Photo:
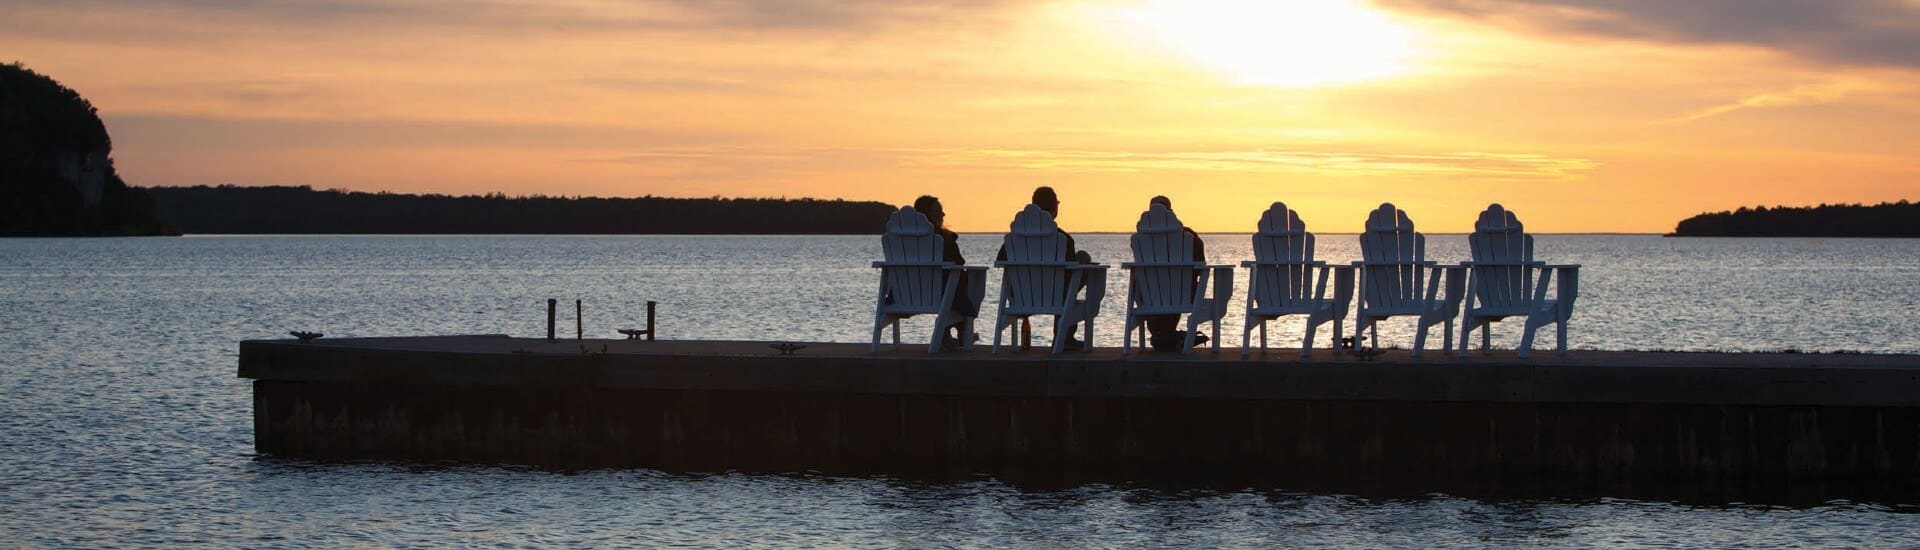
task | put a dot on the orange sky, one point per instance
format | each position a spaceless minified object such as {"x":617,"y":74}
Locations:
{"x":1580,"y":115}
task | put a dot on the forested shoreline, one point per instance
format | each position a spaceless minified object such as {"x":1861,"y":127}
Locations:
{"x":1887,"y":219}
{"x":229,"y":209}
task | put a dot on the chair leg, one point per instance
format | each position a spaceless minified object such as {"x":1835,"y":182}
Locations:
{"x":1526,"y":339}
{"x":1419,"y":337}
{"x":1560,"y":334}
{"x":1126,"y":336}
{"x":1086,"y":327}
{"x":1373,"y":326}
{"x":1263,"y":336}
{"x":1306,"y":341}
{"x":1060,"y":334}
{"x":1446,"y":337}
{"x":1216,"y":335}
{"x":939,"y":331}
{"x":999,"y":326}
{"x":1246,"y":333}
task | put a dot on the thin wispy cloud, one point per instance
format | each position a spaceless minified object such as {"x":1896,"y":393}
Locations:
{"x":220,"y":133}
{"x":521,"y":16}
{"x":1808,"y":94}
{"x":1481,"y":165}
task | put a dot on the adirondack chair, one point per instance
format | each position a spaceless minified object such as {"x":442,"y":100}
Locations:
{"x":1161,"y":280}
{"x":1393,"y":270}
{"x":1038,"y":278}
{"x":1501,"y":283}
{"x":915,"y":280}
{"x":1283,"y":279}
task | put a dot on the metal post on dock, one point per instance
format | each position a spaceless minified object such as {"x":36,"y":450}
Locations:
{"x":579,"y":333}
{"x":552,"y":304}
{"x":650,"y":329}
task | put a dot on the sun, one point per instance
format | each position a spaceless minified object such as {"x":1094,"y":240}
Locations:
{"x":1293,"y":43}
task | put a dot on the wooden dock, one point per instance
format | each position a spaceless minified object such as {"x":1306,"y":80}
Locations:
{"x":1686,"y":425}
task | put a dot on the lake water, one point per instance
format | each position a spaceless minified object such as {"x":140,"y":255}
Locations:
{"x":121,"y":421}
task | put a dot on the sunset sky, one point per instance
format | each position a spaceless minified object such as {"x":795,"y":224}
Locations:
{"x":1580,"y":115}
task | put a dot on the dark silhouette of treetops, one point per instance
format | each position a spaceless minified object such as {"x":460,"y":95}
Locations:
{"x":233,"y":209}
{"x":1887,"y":219}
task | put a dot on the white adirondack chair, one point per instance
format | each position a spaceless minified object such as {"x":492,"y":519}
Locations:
{"x":1501,"y":283}
{"x":915,"y":279}
{"x":1283,"y":279}
{"x":1160,"y":280}
{"x":1393,"y":270}
{"x":1037,"y":278}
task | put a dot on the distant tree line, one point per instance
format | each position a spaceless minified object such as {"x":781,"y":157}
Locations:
{"x":279,"y":210}
{"x":1887,"y":219}
{"x":56,"y":175}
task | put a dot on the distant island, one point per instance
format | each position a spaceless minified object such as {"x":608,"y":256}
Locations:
{"x":230,"y":209}
{"x":1887,"y":219}
{"x":56,"y":166}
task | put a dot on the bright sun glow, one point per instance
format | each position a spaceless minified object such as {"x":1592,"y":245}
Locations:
{"x":1297,"y":43}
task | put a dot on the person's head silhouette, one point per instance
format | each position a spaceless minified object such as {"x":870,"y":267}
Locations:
{"x":1161,"y":200}
{"x":929,"y":206}
{"x":1044,"y":198}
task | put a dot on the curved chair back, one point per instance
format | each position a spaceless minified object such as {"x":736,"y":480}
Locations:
{"x":1502,"y":254}
{"x":1034,"y":275}
{"x":1282,"y":257}
{"x":913,"y":262}
{"x":1392,"y":254}
{"x":1163,"y":266}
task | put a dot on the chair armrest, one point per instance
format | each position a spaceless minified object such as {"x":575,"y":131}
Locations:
{"x":1195,"y":265}
{"x":1005,"y":263}
{"x":1560,"y":266}
{"x":1503,"y":264}
{"x":964,"y":267}
{"x":911,"y":264}
{"x":1087,"y":267}
{"x":1219,"y":266}
{"x":1422,"y":263}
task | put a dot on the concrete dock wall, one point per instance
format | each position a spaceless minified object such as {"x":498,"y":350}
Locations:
{"x":1571,"y":427}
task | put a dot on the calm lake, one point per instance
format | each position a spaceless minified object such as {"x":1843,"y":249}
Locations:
{"x":121,"y":420}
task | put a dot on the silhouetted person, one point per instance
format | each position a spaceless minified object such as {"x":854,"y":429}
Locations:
{"x":929,"y":206}
{"x":1163,"y":330}
{"x":1044,"y":198}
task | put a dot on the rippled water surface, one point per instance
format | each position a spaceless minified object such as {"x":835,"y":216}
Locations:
{"x":121,"y":421}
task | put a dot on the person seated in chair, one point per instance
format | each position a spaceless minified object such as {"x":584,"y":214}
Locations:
{"x":1164,"y":329}
{"x":929,"y":206}
{"x":1045,"y":198}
